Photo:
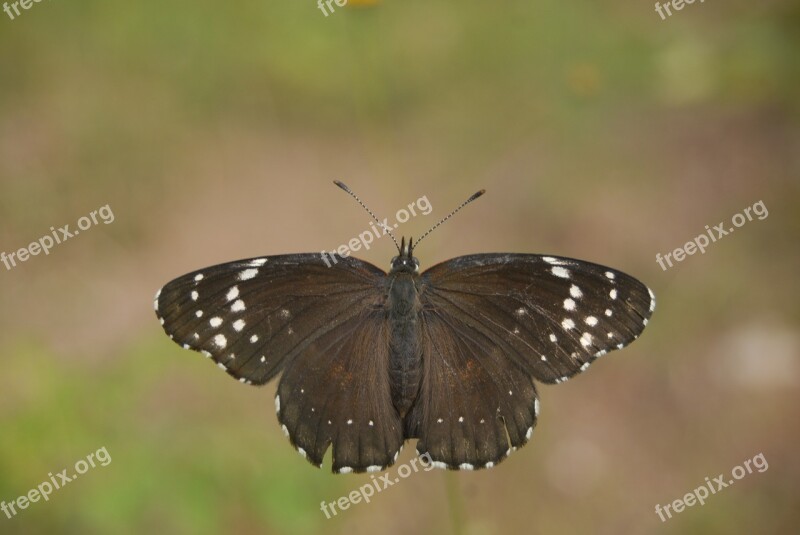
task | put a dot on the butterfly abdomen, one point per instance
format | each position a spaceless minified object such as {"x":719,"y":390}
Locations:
{"x":405,"y":355}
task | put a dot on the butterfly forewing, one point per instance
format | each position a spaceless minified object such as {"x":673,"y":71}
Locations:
{"x":551,"y":316}
{"x":251,"y":315}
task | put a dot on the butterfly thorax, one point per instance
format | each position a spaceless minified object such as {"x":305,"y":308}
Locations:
{"x":405,"y":355}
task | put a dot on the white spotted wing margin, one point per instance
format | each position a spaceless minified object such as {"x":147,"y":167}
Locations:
{"x":258,"y":317}
{"x":492,"y":323}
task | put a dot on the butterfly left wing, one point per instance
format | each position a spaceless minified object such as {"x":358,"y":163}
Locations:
{"x":323,"y":326}
{"x":253,"y":316}
{"x":498,"y":318}
{"x":336,"y":392}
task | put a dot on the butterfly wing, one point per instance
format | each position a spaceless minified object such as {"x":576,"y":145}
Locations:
{"x":507,"y":317}
{"x":325,"y":327}
{"x":475,"y":406}
{"x":337,"y":392}
{"x":252,"y":316}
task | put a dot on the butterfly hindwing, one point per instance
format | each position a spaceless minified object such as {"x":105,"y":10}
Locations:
{"x":336,"y":392}
{"x":475,"y":405}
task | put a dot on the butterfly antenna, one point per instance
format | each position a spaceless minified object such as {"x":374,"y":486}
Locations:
{"x":364,"y":206}
{"x":451,"y":214}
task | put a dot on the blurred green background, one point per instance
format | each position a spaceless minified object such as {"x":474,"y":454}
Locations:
{"x":213,"y":131}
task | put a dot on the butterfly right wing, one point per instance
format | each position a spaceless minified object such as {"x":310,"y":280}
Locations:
{"x":491,"y":323}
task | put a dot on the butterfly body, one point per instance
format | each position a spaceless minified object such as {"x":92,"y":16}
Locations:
{"x":369,"y":359}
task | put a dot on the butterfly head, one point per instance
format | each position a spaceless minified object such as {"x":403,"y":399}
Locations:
{"x":405,"y":262}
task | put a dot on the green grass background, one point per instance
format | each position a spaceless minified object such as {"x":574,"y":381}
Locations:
{"x":214,"y":130}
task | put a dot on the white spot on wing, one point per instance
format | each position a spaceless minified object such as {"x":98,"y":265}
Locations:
{"x":258,"y":262}
{"x":585,"y":365}
{"x":238,"y":306}
{"x":248,"y":274}
{"x":254,"y":339}
{"x":529,"y":433}
{"x":195,"y":295}
{"x":553,"y":338}
{"x":591,"y":321}
{"x":465,"y":466}
{"x":613,"y":293}
{"x":220,"y":341}
{"x":575,"y":292}
{"x":277,"y":404}
{"x":569,"y":304}
{"x":586,"y":339}
{"x":374,"y":468}
{"x":199,"y":313}
{"x":233,"y":293}
{"x":536,"y":407}
{"x":610,"y":275}
{"x":238,"y":325}
{"x":198,"y":277}
{"x":215,"y":321}
{"x":345,"y":470}
{"x":559,"y":271}
{"x":568,"y":324}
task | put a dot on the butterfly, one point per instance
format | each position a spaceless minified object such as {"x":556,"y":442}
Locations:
{"x":370,"y":359}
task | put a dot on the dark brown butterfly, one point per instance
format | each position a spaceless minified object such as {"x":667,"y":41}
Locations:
{"x":369,"y":359}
